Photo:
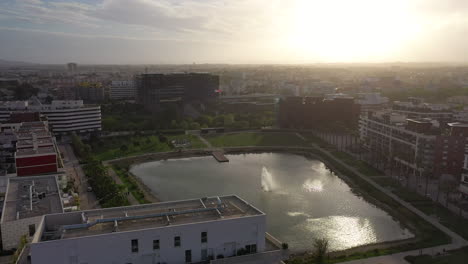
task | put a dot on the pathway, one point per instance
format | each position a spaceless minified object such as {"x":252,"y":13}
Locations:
{"x":457,"y":240}
{"x":131,"y":199}
{"x":207,"y":143}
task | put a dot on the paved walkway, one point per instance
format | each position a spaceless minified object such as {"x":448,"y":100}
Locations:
{"x":457,"y":241}
{"x":131,"y":199}
{"x":207,"y":143}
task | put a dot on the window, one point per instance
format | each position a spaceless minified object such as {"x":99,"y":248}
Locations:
{"x":32,"y":229}
{"x":204,"y":237}
{"x":155,"y":244}
{"x":251,"y":248}
{"x":204,"y":254}
{"x":177,"y":241}
{"x":134,"y":245}
{"x":188,"y":256}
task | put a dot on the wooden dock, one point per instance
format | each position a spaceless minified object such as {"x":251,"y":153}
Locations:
{"x":219,"y":156}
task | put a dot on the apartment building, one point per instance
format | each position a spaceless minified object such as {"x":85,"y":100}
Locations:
{"x":416,"y":108}
{"x":27,"y":199}
{"x":63,"y":117}
{"x":155,"y":91}
{"x":208,"y":230}
{"x":413,"y":146}
{"x":123,"y":90}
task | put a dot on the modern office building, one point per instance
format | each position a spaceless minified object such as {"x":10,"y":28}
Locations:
{"x":123,"y":90}
{"x":63,"y":117}
{"x":154,"y":91}
{"x":27,"y":199}
{"x":316,"y":112}
{"x":90,"y":92}
{"x":208,"y":230}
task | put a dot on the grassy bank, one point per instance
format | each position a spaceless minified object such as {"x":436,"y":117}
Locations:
{"x":254,"y":139}
{"x":117,"y":147}
{"x":459,"y":256}
{"x":130,"y":184}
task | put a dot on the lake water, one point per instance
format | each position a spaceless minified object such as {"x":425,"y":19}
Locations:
{"x":303,"y":199}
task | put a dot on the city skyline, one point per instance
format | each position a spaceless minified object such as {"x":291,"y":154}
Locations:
{"x":254,"y":31}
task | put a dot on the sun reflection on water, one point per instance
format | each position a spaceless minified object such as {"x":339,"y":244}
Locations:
{"x":343,"y":231}
{"x":313,"y":185}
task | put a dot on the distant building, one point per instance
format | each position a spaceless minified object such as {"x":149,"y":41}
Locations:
{"x":120,"y":90}
{"x":72,"y":67}
{"x":90,"y":92}
{"x":370,"y":102}
{"x":36,"y":150}
{"x":316,"y":112}
{"x":27,"y":199}
{"x":154,"y":91}
{"x":416,"y":108}
{"x":63,"y":117}
{"x":208,"y":230}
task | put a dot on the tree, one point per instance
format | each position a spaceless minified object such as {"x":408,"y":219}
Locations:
{"x":228,"y":120}
{"x":123,"y":148}
{"x":321,"y":249}
{"x":195,"y":125}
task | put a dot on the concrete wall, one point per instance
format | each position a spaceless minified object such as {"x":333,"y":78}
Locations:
{"x":13,"y":230}
{"x":224,"y":237}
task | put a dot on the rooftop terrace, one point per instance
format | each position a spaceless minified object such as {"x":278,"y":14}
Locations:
{"x":105,"y":221}
{"x":31,"y":196}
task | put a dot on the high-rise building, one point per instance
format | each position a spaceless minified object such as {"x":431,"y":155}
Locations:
{"x":156,"y":90}
{"x":72,"y":67}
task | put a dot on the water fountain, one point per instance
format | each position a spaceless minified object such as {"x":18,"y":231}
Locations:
{"x":267,"y":180}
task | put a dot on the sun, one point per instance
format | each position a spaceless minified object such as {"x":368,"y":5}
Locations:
{"x":344,"y":30}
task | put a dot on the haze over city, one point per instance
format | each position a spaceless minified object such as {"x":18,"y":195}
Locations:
{"x":243,"y":31}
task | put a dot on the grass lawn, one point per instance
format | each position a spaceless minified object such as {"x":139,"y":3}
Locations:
{"x":361,"y":166}
{"x":110,"y":148}
{"x":254,"y":139}
{"x":130,"y":184}
{"x":453,"y":257}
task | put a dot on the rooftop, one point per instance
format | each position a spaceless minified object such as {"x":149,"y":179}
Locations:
{"x":32,"y":151}
{"x":31,"y":196}
{"x":129,"y":218}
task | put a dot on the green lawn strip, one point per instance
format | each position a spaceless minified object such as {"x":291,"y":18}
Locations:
{"x":194,"y":140}
{"x":459,"y":256}
{"x":130,"y":184}
{"x":111,"y":148}
{"x":254,"y":139}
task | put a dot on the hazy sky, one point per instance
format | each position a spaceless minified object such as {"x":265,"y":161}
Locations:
{"x":233,"y":31}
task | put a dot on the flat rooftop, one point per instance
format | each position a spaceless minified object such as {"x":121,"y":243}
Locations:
{"x":31,"y":196}
{"x":30,"y":142}
{"x":31,"y":151}
{"x":130,"y":218}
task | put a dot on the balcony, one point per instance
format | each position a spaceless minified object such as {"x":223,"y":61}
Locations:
{"x":273,"y":254}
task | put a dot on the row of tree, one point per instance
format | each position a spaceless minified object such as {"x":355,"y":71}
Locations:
{"x":108,"y":193}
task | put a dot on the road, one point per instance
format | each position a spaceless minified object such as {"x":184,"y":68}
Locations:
{"x":73,"y":169}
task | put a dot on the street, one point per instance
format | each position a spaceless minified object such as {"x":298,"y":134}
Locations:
{"x":74,"y":170}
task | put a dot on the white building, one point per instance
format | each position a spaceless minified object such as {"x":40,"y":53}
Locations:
{"x":123,"y":90}
{"x":63,"y":116}
{"x":213,"y":230}
{"x":371,"y":101}
{"x":27,"y":199}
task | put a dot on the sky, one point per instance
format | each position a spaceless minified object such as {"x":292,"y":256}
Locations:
{"x":233,"y":31}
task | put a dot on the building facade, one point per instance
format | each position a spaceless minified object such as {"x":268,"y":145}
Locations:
{"x":154,"y":91}
{"x":123,"y":90}
{"x":189,"y":231}
{"x":63,"y":117}
{"x":316,"y":112}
